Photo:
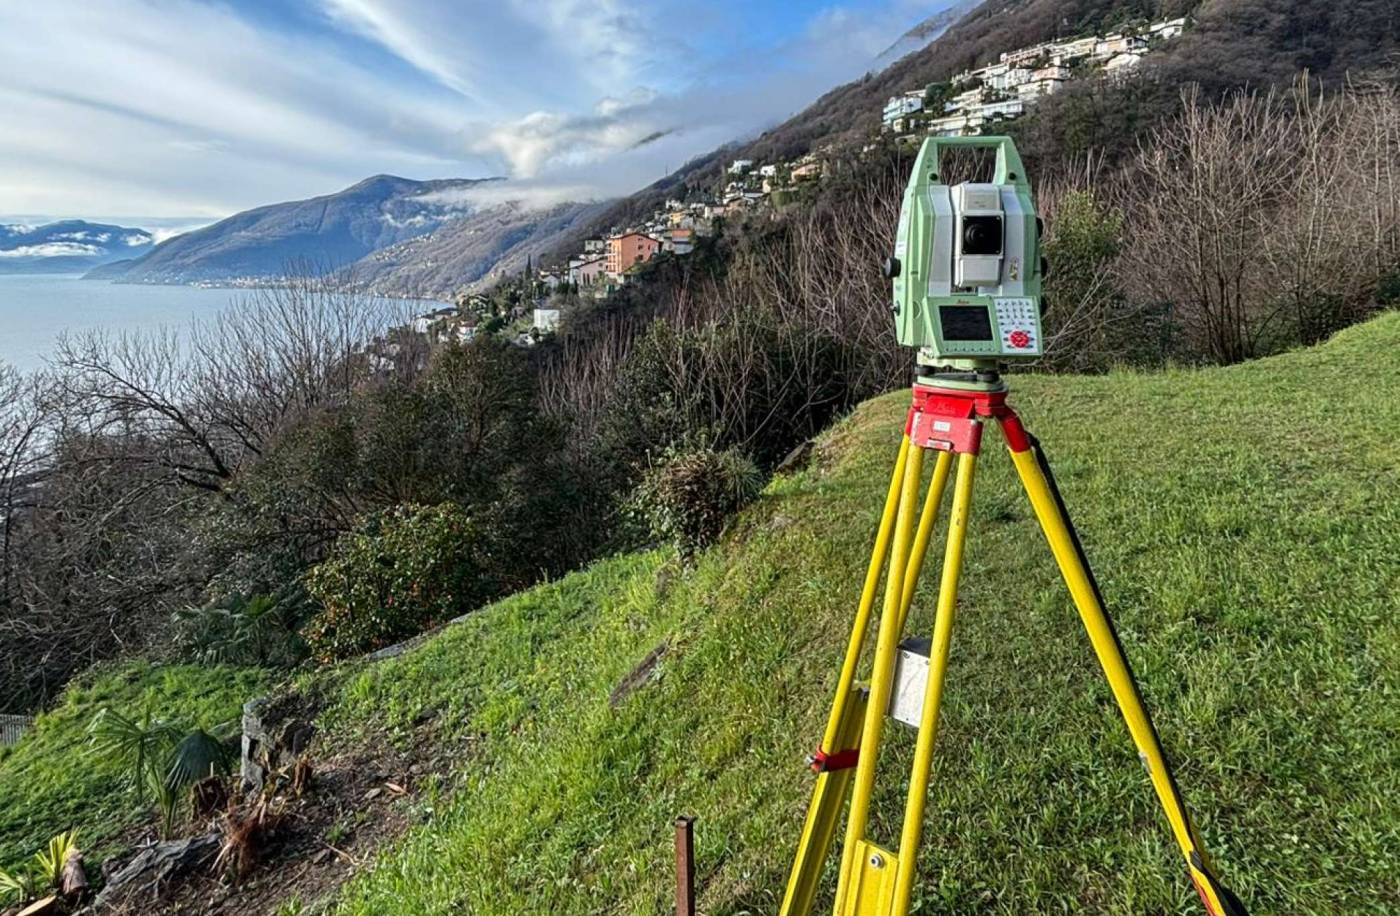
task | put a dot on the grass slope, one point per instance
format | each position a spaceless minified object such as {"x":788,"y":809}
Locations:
{"x":1245,"y":530}
{"x":51,"y":782}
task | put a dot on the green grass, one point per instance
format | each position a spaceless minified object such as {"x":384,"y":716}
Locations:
{"x":1245,"y":527}
{"x":51,"y":781}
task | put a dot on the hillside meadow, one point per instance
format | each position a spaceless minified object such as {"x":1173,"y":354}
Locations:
{"x":1241,"y":525}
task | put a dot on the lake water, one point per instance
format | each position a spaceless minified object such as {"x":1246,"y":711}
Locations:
{"x":35,"y":309}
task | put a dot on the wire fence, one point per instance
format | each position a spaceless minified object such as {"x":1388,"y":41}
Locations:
{"x":12,"y":728}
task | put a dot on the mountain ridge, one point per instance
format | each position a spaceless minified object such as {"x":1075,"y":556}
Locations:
{"x":468,"y":253}
{"x":920,"y":35}
{"x":326,"y":232}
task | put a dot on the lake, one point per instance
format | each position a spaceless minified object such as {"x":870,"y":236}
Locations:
{"x":35,"y":309}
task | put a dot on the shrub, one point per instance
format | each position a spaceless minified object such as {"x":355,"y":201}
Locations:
{"x":260,"y":631}
{"x":688,"y":498}
{"x":400,"y":571}
{"x":1388,"y":289}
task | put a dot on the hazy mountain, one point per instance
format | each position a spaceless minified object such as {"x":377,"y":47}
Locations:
{"x":323,"y":233}
{"x":469,"y":252}
{"x":68,"y":246}
{"x":920,"y":35}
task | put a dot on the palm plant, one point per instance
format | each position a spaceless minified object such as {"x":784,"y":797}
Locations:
{"x":160,"y":757}
{"x":261,"y":630}
{"x":198,"y":755}
{"x":50,"y":862}
{"x":140,"y":745}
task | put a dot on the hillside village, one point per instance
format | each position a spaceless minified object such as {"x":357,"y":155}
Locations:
{"x":604,"y":264}
{"x":978,"y":99}
{"x":967,"y":104}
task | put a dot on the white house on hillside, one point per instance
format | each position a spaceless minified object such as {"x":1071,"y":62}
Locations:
{"x":1118,"y":66}
{"x":423,"y":323}
{"x":901,"y":105}
{"x":587,"y":269}
{"x":546,"y":320}
{"x":1168,"y":28}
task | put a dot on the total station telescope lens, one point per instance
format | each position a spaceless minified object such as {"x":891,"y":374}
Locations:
{"x":982,"y":235}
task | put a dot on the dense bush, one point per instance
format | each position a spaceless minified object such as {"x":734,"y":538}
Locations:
{"x":400,"y":571}
{"x":250,"y":631}
{"x":1091,"y":326}
{"x":687,"y":498}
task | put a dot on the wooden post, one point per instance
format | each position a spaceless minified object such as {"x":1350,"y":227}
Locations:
{"x":685,"y":866}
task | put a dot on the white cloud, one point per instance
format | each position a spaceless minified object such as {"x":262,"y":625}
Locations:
{"x":521,"y":195}
{"x":182,"y":108}
{"x":507,"y":54}
{"x":51,"y":250}
{"x":169,"y":232}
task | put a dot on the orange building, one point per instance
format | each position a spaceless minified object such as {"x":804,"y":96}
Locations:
{"x":627,"y":250}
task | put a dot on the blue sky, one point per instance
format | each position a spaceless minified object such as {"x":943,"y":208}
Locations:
{"x":163,"y":112}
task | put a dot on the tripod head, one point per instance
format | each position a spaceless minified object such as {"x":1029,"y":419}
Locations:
{"x":967,"y":269}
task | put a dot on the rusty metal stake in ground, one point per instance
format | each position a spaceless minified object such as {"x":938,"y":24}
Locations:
{"x":685,"y":866}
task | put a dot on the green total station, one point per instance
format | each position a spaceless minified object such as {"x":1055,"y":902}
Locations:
{"x":967,"y":268}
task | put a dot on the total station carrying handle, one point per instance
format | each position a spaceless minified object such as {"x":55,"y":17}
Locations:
{"x":1009,"y":169}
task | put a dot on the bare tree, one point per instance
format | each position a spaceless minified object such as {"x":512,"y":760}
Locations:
{"x":1265,"y":220}
{"x":119,"y":467}
{"x":22,"y":460}
{"x":209,"y":400}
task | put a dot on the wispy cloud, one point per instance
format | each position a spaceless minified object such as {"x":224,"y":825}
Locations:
{"x":183,"y":108}
{"x":50,"y":250}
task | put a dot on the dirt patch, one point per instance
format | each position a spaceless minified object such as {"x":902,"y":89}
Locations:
{"x":353,"y":804}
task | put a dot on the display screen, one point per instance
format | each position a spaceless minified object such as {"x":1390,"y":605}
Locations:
{"x":965,"y":322}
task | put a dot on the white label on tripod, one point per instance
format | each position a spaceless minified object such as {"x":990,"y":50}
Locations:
{"x":942,"y":426}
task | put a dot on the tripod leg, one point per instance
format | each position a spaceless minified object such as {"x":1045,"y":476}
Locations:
{"x":941,"y":467}
{"x":867,"y":599}
{"x":882,"y":675}
{"x":933,"y":691}
{"x":822,"y":816}
{"x":844,"y":725}
{"x":1054,"y":520}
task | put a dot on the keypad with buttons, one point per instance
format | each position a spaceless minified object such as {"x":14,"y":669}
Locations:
{"x":1018,"y":320}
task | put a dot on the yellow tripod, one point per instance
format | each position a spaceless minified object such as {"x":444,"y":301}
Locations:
{"x":874,"y":881}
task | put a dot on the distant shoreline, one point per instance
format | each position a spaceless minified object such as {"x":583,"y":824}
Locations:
{"x":36,"y":308}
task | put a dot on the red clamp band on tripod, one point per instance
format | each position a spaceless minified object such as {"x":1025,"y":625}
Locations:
{"x":822,"y":762}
